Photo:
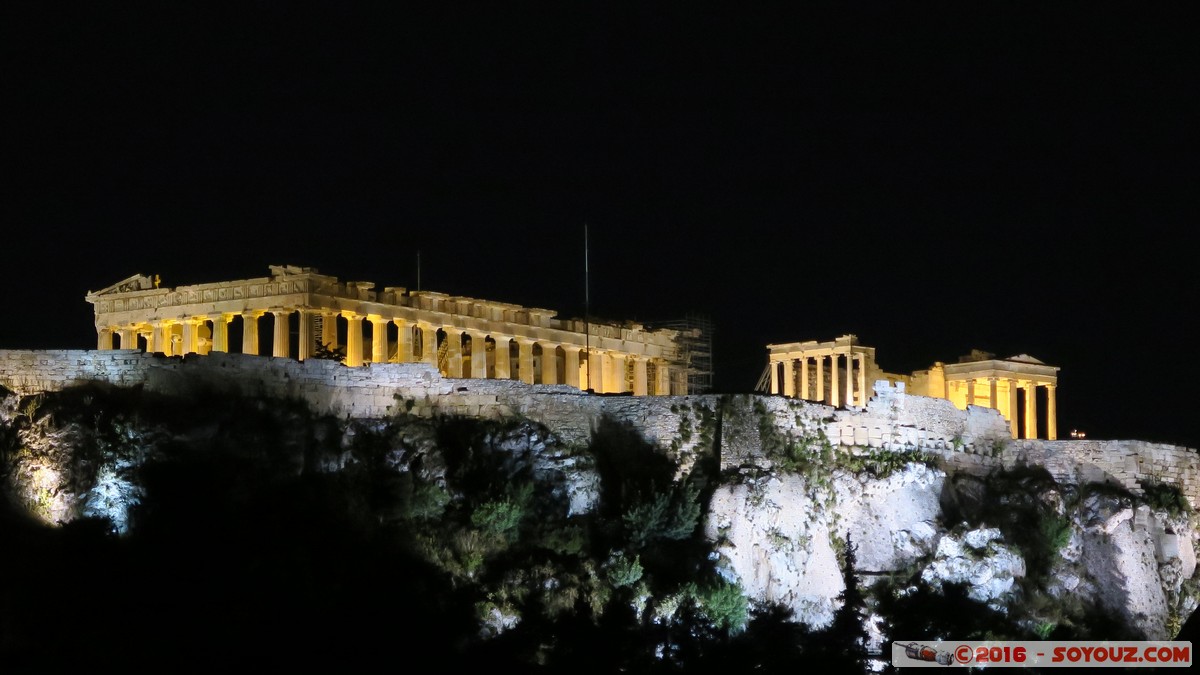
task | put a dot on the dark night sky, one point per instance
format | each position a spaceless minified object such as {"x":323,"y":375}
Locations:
{"x":1015,"y":178}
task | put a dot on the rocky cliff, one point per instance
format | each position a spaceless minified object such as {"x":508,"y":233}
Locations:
{"x":541,"y":518}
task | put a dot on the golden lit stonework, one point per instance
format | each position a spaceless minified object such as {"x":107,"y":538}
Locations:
{"x":309,"y":314}
{"x":838,"y":373}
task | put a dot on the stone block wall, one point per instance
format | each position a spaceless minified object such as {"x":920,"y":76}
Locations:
{"x":976,"y":440}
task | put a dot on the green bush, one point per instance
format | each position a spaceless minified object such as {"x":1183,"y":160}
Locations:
{"x":725,"y":605}
{"x":622,"y":570}
{"x":498,"y":519}
{"x":670,"y":515}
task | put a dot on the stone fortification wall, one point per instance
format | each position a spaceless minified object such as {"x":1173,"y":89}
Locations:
{"x":976,"y":440}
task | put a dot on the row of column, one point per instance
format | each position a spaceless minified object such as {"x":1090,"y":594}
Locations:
{"x":611,"y":372}
{"x":786,"y":383}
{"x":1010,"y":410}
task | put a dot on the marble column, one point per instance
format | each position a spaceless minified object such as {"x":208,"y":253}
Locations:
{"x":281,"y":346}
{"x":329,"y":337}
{"x":250,"y":332}
{"x":379,"y":339}
{"x":595,"y":369}
{"x":221,"y":332}
{"x":478,"y":355}
{"x":835,"y":398}
{"x":789,"y":378}
{"x":354,"y":339}
{"x":992,"y":394}
{"x":571,"y":365}
{"x":191,"y":328}
{"x":774,"y":371}
{"x":1051,"y":413}
{"x":640,"y":385}
{"x":618,"y":382}
{"x":503,"y":357}
{"x":970,"y":384}
{"x":863,"y":394}
{"x":104,"y":338}
{"x":525,"y":360}
{"x":849,"y":379}
{"x":454,"y":355}
{"x":404,"y":346}
{"x":307,"y":341}
{"x":663,"y":376}
{"x":1030,"y":410}
{"x":1012,"y":407}
{"x":549,"y":363}
{"x":428,"y":343}
{"x":804,"y":392}
{"x":820,"y":397}
{"x":128,"y":338}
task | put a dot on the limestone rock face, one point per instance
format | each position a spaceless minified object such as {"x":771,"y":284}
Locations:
{"x":979,"y":559}
{"x":773,"y":533}
{"x":892,"y":521}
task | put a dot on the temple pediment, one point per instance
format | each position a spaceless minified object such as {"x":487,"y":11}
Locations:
{"x":137,"y":282}
{"x":1025,"y":358}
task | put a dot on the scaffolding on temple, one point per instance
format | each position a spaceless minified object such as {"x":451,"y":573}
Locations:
{"x":695,"y":345}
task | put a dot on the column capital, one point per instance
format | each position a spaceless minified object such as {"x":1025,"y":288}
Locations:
{"x":350,"y":314}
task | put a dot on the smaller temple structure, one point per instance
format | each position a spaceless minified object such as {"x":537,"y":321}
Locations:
{"x":837,"y":373}
{"x":309,"y":315}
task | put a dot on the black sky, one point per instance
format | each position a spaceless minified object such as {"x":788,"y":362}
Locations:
{"x":1010,"y":177}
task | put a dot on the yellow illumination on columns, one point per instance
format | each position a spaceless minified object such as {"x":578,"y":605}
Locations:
{"x":404,"y":346}
{"x":789,"y":378}
{"x":128,"y":338}
{"x":992,"y":402}
{"x":157,"y":338}
{"x":250,"y":332}
{"x":304,"y":346}
{"x":863,"y":396}
{"x":1051,"y":413}
{"x":616,"y":365}
{"x":280,"y":346}
{"x":379,"y":340}
{"x":640,"y":386}
{"x":190,"y":327}
{"x":595,"y":370}
{"x":329,"y":330}
{"x":478,"y":355}
{"x":428,"y":343}
{"x":1012,"y":407}
{"x":970,"y":392}
{"x":525,"y":360}
{"x":503,"y":357}
{"x":454,"y":355}
{"x":804,"y":393}
{"x":549,"y":363}
{"x":835,"y":399}
{"x":1030,"y":410}
{"x":354,"y":335}
{"x":849,"y":378}
{"x":571,"y":365}
{"x":820,"y":398}
{"x":104,"y":338}
{"x":221,"y":332}
{"x":774,"y":376}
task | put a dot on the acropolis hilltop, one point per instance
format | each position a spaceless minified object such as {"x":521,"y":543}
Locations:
{"x":304,"y":311}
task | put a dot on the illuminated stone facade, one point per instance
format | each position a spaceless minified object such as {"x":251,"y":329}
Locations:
{"x":836,"y":373}
{"x":298,"y":312}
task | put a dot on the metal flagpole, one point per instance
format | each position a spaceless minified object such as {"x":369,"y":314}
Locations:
{"x":587,"y":328}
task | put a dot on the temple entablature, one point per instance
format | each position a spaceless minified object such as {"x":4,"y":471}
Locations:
{"x":303,"y":311}
{"x":1010,"y":385}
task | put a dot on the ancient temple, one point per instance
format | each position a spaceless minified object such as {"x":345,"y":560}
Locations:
{"x":297,"y":312}
{"x":840,"y":371}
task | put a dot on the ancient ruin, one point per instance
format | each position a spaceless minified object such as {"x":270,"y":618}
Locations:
{"x":308,"y":314}
{"x":802,"y":369}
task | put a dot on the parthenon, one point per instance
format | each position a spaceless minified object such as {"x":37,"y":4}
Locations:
{"x":310,"y":314}
{"x":801,"y":370}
